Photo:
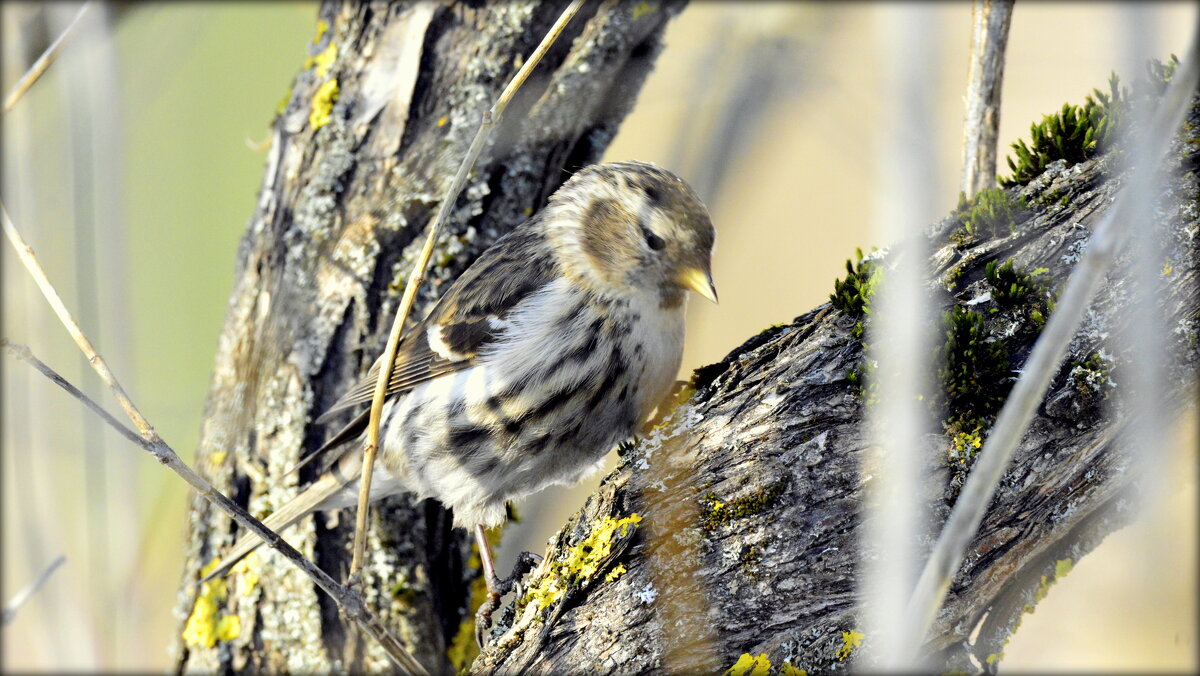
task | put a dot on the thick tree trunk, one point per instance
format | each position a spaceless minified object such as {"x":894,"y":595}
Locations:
{"x":365,"y":148}
{"x":750,"y":493}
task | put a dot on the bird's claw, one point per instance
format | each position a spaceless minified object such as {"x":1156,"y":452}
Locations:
{"x":483,"y":617}
{"x":497,"y":588}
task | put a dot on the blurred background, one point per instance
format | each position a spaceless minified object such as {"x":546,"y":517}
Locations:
{"x":133,"y":165}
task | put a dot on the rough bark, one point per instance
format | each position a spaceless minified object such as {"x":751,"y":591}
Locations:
{"x":750,"y":492}
{"x":990,"y":20}
{"x":342,"y":208}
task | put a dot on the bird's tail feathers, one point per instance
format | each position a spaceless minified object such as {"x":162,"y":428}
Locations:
{"x":297,"y":508}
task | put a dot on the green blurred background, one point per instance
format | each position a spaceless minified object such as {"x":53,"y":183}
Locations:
{"x":138,"y":226}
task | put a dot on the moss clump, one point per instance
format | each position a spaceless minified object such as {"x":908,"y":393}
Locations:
{"x":1091,"y":377}
{"x":991,"y":213}
{"x":975,"y":371}
{"x":851,"y":296}
{"x":1074,"y":133}
{"x":1159,"y":74}
{"x":1011,"y":287}
{"x":715,"y":513}
{"x":1078,"y":133}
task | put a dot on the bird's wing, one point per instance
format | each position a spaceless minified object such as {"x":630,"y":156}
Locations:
{"x":471,"y":314}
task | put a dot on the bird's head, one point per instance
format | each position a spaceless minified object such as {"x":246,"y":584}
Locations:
{"x":632,"y":227}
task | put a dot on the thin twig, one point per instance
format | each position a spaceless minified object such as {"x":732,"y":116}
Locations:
{"x":491,"y":118}
{"x":98,"y":364}
{"x":981,"y":128}
{"x":10,"y":610}
{"x":1048,"y":352}
{"x":43,"y":62}
{"x":148,"y":439}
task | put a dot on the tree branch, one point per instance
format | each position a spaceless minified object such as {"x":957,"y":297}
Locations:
{"x":990,"y":20}
{"x":753,"y":489}
{"x":348,"y":602}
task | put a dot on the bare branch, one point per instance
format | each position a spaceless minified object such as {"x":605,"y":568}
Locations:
{"x":1048,"y":352}
{"x":490,"y":119}
{"x":43,"y":62}
{"x":349,"y":602}
{"x":10,"y":610}
{"x":981,"y":128}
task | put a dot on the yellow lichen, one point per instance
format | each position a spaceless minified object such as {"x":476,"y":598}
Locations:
{"x":443,"y":120}
{"x":748,"y":665}
{"x":228,"y":627}
{"x":322,"y":104}
{"x":850,"y":640}
{"x":248,"y":569}
{"x":616,"y":572}
{"x":203,"y":627}
{"x":322,"y":62}
{"x":964,"y":444}
{"x":787,"y":669}
{"x":322,"y":26}
{"x":581,"y":562}
{"x":1062,"y":567}
{"x":994,"y":658}
{"x":641,"y":9}
{"x":1167,"y":268}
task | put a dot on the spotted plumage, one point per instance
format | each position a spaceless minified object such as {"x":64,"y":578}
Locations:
{"x":548,"y":351}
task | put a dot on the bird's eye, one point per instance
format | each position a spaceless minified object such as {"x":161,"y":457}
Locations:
{"x":654,"y":241}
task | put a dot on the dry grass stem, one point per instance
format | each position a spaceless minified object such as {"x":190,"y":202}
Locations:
{"x":491,"y":118}
{"x":10,"y":610}
{"x":43,"y":62}
{"x":148,"y":439}
{"x":1048,"y":352}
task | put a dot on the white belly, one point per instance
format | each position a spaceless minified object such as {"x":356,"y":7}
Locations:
{"x":564,"y":383}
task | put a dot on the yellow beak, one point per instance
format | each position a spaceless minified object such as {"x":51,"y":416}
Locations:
{"x":699,"y":281}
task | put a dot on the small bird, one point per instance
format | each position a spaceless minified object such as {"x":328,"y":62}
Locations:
{"x":551,"y":348}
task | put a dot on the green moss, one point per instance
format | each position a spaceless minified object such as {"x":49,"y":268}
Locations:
{"x":1074,"y":133}
{"x":1091,"y":377}
{"x":1078,"y":133}
{"x":716,"y":513}
{"x":852,"y":296}
{"x":975,"y":371}
{"x":991,"y":213}
{"x":953,"y":277}
{"x":1012,"y":287}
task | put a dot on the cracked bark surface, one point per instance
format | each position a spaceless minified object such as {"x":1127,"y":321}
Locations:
{"x":750,"y":492}
{"x":340,"y":217}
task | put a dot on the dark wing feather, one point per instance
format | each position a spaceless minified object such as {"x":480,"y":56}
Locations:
{"x":512,"y":269}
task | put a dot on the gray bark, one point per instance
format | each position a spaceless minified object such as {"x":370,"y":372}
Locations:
{"x":340,"y":216}
{"x":750,"y":492}
{"x":990,"y":20}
